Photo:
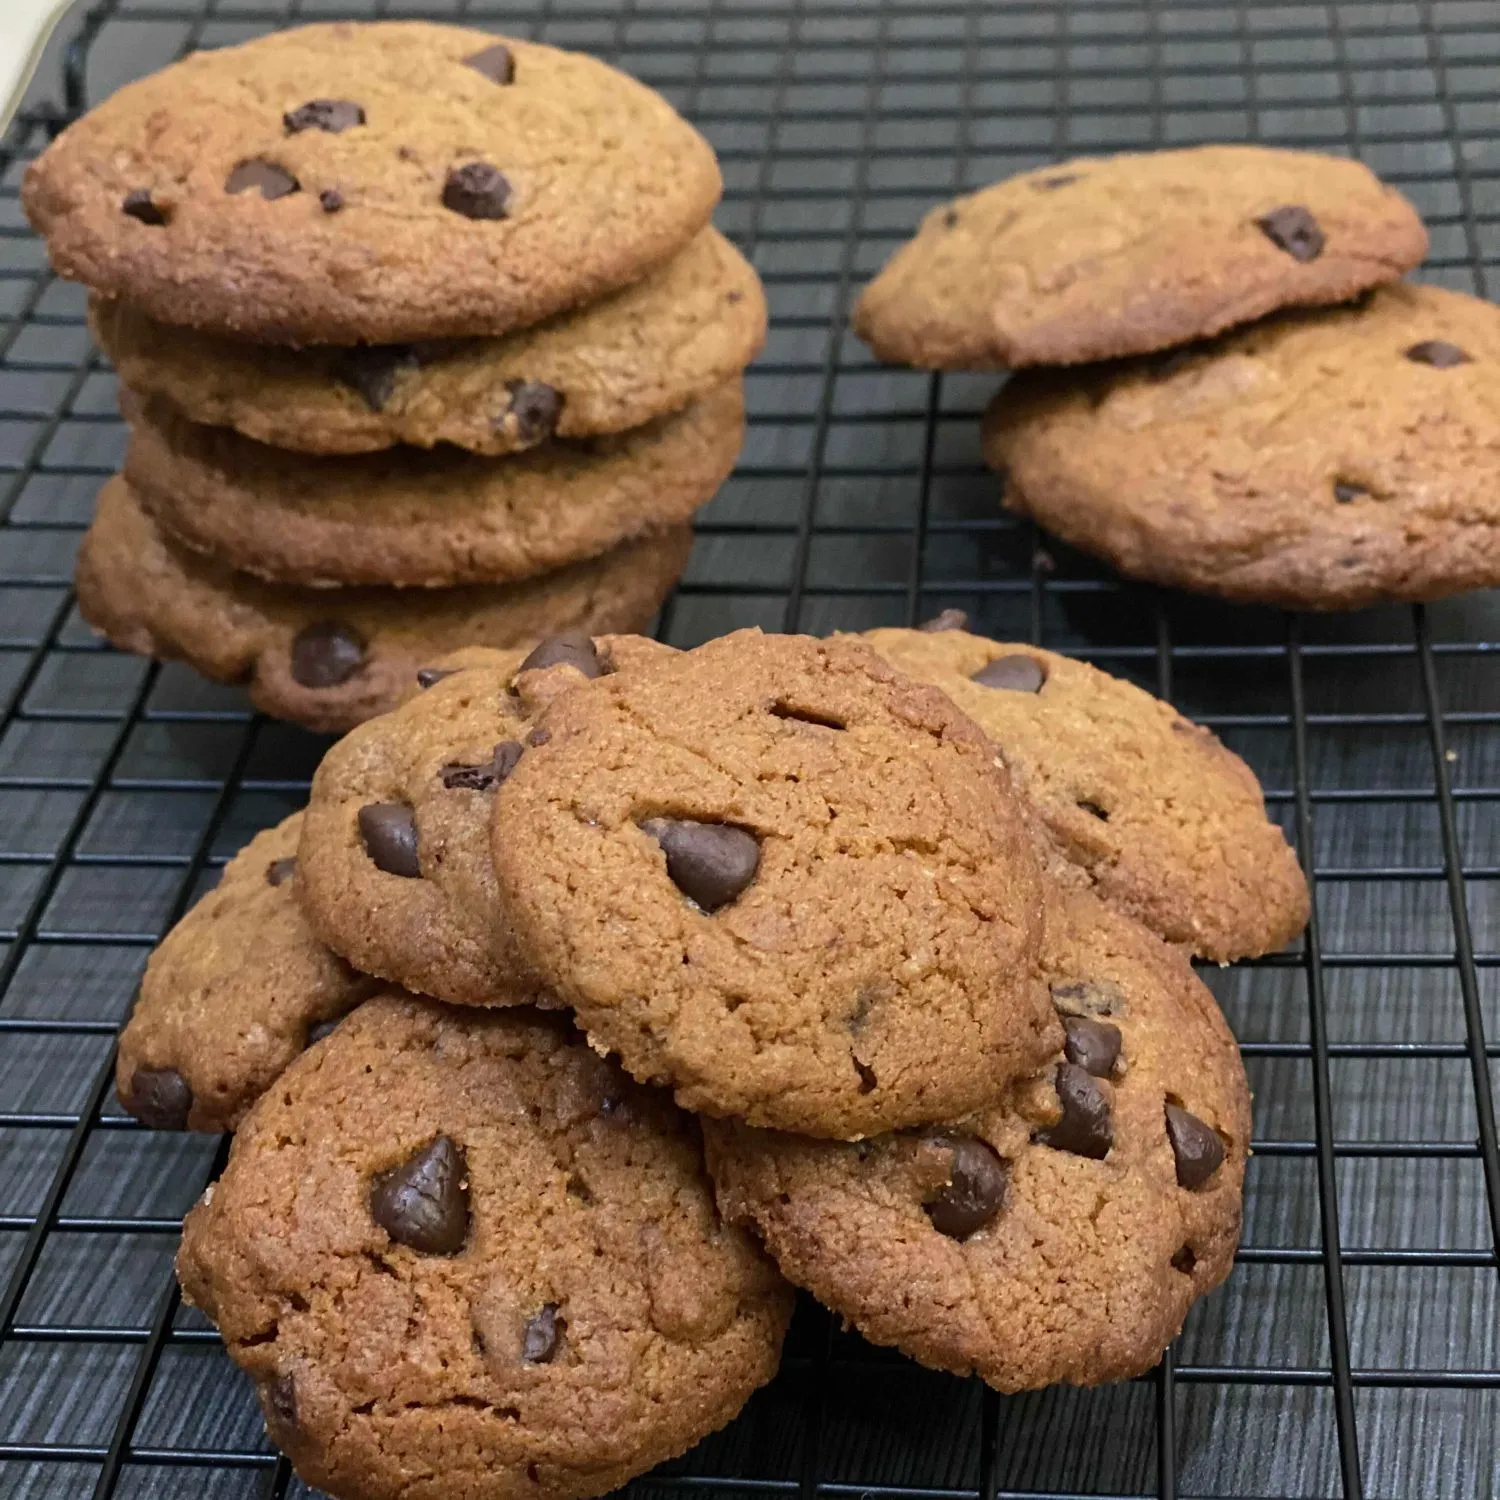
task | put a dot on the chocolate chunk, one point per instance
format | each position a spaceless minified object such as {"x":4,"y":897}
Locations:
{"x":481,"y":778}
{"x":281,"y":1400}
{"x":1196,"y":1146}
{"x":332,"y":115}
{"x":1089,"y":997}
{"x":1051,"y":184}
{"x":326,"y":654}
{"x":427,"y":676}
{"x":319,"y":1029}
{"x":1093,"y":1045}
{"x":477,"y":191}
{"x":1184,"y":1260}
{"x":1345,"y":490}
{"x":535,"y":407}
{"x":1085,"y":1128}
{"x":138,"y":205}
{"x":496,"y":63}
{"x":710,"y":863}
{"x":573,"y":648}
{"x":331,"y":199}
{"x":542,"y":1335}
{"x":1293,"y":229}
{"x":160,"y":1098}
{"x":868,"y":1082}
{"x":272,"y":181}
{"x":281,"y":870}
{"x":424,"y":1203}
{"x":975,"y":1190}
{"x":1020,"y":674}
{"x":948,"y":619}
{"x":389,"y":831}
{"x":1093,"y":809}
{"x":1436,"y":352}
{"x":370,"y":371}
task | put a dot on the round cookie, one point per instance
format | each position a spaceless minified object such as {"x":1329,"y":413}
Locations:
{"x":236,"y":990}
{"x":407,"y":518}
{"x":1060,"y":1235}
{"x":783,"y":879}
{"x":395,"y":854}
{"x":348,"y":183}
{"x":1168,"y":824}
{"x":1319,"y":461}
{"x":461,"y":1256}
{"x":330,"y":659}
{"x":645,"y":352}
{"x":1100,"y":257}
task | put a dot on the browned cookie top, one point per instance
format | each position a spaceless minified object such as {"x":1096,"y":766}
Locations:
{"x":782,"y":878}
{"x":349,"y":183}
{"x":1101,"y":257}
{"x":460,"y":1256}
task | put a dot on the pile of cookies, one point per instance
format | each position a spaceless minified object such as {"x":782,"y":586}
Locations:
{"x":425,"y":340}
{"x":601,"y":992}
{"x":1340,"y":451}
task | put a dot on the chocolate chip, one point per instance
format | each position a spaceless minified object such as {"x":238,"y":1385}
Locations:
{"x":496,"y":63}
{"x":331,"y":199}
{"x":1345,"y":490}
{"x":542,"y":1335}
{"x":332,"y":115}
{"x":710,"y":863}
{"x":326,"y":653}
{"x":975,"y":1190}
{"x":948,"y":619}
{"x":319,"y":1029}
{"x":1185,"y":1260}
{"x":370,"y":371}
{"x":1051,"y":184}
{"x":538,"y":737}
{"x":1085,"y":1128}
{"x":1093,"y":1045}
{"x":573,"y":648}
{"x":281,"y":870}
{"x":427,"y":676}
{"x":1197,"y":1148}
{"x":535,"y":408}
{"x":424,"y":1203}
{"x":272,"y":181}
{"x":160,"y":1098}
{"x":477,"y":191}
{"x":1436,"y":352}
{"x":389,"y":831}
{"x":1089,"y":997}
{"x":1093,"y":809}
{"x":138,"y":205}
{"x":1019,"y":674}
{"x":868,"y":1082}
{"x":1293,"y":229}
{"x":481,"y":778}
{"x":281,"y":1398}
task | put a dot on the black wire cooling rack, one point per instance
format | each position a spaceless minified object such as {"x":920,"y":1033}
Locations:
{"x":1356,"y":1350}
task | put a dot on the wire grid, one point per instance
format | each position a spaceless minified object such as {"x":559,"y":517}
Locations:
{"x":1356,"y":1350}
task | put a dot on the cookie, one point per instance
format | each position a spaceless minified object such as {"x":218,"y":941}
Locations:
{"x":643,"y":353}
{"x":395,"y":855}
{"x":783,"y":879}
{"x":332,"y":658}
{"x":1167,"y":824}
{"x":1319,"y":461}
{"x":356,"y":183}
{"x":460,"y":1256}
{"x":1101,"y":257}
{"x":1061,"y":1235}
{"x":236,"y":990}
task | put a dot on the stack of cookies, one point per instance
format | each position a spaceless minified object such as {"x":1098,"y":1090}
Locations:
{"x":905,"y":920}
{"x":1338,"y":452}
{"x":425,"y":339}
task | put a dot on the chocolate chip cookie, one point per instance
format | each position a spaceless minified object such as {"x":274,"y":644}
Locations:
{"x":437,"y":519}
{"x":1101,"y":257}
{"x":645,"y":352}
{"x":1167,"y":824}
{"x":332,"y":658}
{"x":459,"y":1255}
{"x":1323,"y":460}
{"x":236,"y":990}
{"x":1061,"y":1235}
{"x":782,"y":878}
{"x":395,"y":854}
{"x":349,"y":183}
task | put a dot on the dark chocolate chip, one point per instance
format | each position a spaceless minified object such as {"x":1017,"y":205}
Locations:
{"x":1185,"y":1260}
{"x":975,"y":1190}
{"x":1093,"y":809}
{"x":1085,"y":1128}
{"x":535,"y":407}
{"x":1093,"y":1045}
{"x":1197,"y":1148}
{"x":496,"y":63}
{"x":868,"y":1082}
{"x":160,"y":1097}
{"x":138,"y":205}
{"x":427,"y":676}
{"x":1089,"y":997}
{"x":1345,"y":490}
{"x":332,"y":115}
{"x":389,"y":831}
{"x":948,"y":619}
{"x":477,"y":191}
{"x":542,"y":1336}
{"x":319,"y":1029}
{"x":481,"y":778}
{"x":272,"y":181}
{"x":1293,"y":229}
{"x":331,"y":199}
{"x":710,"y":863}
{"x":370,"y":371}
{"x":1051,"y":184}
{"x":424,"y":1202}
{"x":281,"y":1398}
{"x":281,"y":870}
{"x":326,"y":654}
{"x":1436,"y":352}
{"x":1020,"y":674}
{"x":573,"y":648}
